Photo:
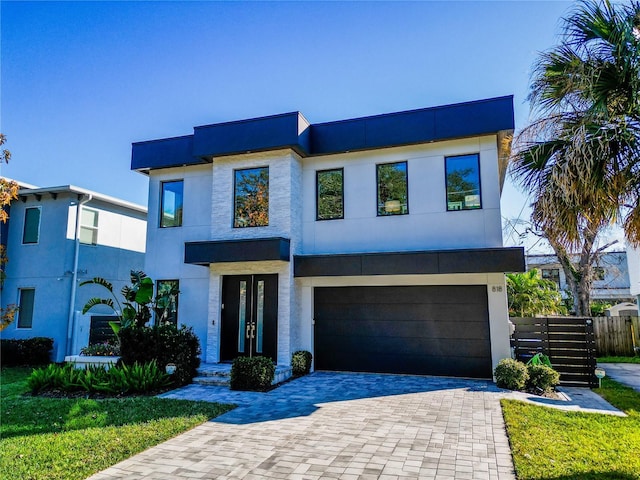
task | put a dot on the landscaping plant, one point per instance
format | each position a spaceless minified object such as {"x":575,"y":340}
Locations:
{"x":30,"y":351}
{"x":542,"y":377}
{"x":105,"y":349}
{"x":301,"y":362}
{"x":511,"y":374}
{"x":252,"y":373}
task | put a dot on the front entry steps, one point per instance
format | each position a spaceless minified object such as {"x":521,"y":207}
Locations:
{"x":219,"y":374}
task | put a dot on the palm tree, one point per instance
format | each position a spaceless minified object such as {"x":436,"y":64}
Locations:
{"x":580,"y":160}
{"x":530,"y":295}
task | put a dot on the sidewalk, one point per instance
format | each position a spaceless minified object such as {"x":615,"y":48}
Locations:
{"x":627,"y":373}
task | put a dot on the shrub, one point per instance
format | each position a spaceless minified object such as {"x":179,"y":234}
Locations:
{"x":542,"y":377}
{"x":165,"y":344}
{"x":138,"y":378}
{"x":105,"y":349}
{"x":511,"y":374}
{"x":31,"y":351}
{"x":255,"y":373}
{"x":301,"y":362}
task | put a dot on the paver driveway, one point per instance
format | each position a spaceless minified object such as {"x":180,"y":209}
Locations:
{"x":341,"y":425}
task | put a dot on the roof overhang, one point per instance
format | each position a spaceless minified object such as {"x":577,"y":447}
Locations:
{"x":223,"y":251}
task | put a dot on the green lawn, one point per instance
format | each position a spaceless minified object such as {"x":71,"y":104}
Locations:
{"x":551,"y":444}
{"x":47,"y":438}
{"x":618,"y":359}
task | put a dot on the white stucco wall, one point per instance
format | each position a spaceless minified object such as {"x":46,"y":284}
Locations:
{"x":633,"y":261}
{"x":428,"y":225}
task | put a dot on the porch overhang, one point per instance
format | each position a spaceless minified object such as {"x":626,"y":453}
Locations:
{"x":433,"y":262}
{"x":219,"y":251}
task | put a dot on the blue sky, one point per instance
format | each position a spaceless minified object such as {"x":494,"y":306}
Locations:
{"x":82,"y":80}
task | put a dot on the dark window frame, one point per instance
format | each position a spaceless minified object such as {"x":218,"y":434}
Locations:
{"x":318,"y":172}
{"x":161,"y":210}
{"x":177,"y":301}
{"x":24,"y":227}
{"x":21,"y":309}
{"x":233,"y":203}
{"x":406,"y":177}
{"x":446,"y":190}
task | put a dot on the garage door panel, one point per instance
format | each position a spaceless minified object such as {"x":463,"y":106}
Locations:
{"x":437,"y":330}
{"x":436,"y":312}
{"x":451,"y":294}
{"x":444,"y":347}
{"x":410,"y":364}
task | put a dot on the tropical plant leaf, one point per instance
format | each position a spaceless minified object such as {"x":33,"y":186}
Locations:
{"x":99,"y":281}
{"x":144,"y":294}
{"x":98,"y":301}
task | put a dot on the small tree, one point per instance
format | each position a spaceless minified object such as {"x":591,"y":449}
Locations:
{"x":530,"y":295}
{"x":8,"y":193}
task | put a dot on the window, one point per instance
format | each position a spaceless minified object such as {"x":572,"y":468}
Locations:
{"x":598,"y":273}
{"x":171,"y":204}
{"x":463,"y":182}
{"x":330,"y":194}
{"x":25,"y":304}
{"x":392,"y":189}
{"x":552,"y":274}
{"x":167,"y":301}
{"x":251,"y":197}
{"x":89,"y":226}
{"x":31,"y":233}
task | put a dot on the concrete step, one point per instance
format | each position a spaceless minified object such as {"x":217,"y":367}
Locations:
{"x":219,"y":381}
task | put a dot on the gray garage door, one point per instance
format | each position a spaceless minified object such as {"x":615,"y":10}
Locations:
{"x":428,"y":330}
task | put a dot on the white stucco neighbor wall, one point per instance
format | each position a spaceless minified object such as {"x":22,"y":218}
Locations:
{"x":633,"y":261}
{"x":47,"y":265}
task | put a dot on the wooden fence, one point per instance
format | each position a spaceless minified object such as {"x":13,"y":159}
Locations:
{"x":616,"y":335}
{"x":568,"y":341}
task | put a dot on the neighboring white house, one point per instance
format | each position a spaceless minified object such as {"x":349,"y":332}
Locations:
{"x":375,"y":243}
{"x":612,"y":275}
{"x":51,"y":250}
{"x":633,"y":261}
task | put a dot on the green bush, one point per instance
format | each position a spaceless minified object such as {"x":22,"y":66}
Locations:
{"x":30,"y":351}
{"x":165,"y":344}
{"x":301,"y":362}
{"x":255,"y":373}
{"x":138,"y":378}
{"x":511,"y":374}
{"x":542,"y":377}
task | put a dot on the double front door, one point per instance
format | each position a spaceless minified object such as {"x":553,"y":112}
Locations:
{"x":249,"y":316}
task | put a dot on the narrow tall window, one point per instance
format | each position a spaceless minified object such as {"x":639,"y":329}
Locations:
{"x":392,"y":189}
{"x":463,"y":182}
{"x":25,"y":304}
{"x":31,"y":233}
{"x":330,"y":194}
{"x":167,"y":301}
{"x":251,"y":197}
{"x":89,"y":226}
{"x":171,"y":204}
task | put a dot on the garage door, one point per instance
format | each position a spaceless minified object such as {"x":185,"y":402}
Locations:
{"x":428,"y":330}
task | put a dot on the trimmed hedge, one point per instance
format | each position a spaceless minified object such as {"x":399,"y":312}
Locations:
{"x":30,"y":351}
{"x":255,"y":373}
{"x":511,"y":374}
{"x":301,"y":362}
{"x":542,"y":377}
{"x":165,"y":344}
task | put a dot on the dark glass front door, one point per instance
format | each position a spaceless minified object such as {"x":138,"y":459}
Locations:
{"x":249,"y":316}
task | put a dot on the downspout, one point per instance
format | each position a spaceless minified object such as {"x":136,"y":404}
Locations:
{"x":82,"y":199}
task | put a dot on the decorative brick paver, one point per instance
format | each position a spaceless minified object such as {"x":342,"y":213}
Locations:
{"x":334,"y":425}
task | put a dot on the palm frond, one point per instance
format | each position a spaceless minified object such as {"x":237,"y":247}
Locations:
{"x":98,"y":301}
{"x":99,"y":281}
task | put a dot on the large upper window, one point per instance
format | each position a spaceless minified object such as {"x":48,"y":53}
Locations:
{"x":167,"y":301}
{"x":171,"y":204}
{"x":392,"y":189}
{"x":25,"y":304}
{"x":463,"y":182}
{"x":251,"y":197}
{"x":330,"y":194}
{"x":89,"y":226}
{"x":31,"y":233}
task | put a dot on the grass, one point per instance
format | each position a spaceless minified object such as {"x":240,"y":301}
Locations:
{"x":59,"y":438}
{"x":618,"y":359}
{"x":552,"y":444}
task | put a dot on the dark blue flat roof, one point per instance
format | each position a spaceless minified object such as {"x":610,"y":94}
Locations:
{"x":292,"y":130}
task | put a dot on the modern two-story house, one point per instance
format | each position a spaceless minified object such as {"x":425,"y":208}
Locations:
{"x":375,"y":243}
{"x":56,"y":238}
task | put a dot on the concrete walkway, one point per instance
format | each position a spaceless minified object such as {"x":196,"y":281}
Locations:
{"x":627,"y":373}
{"x":335,"y":425}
